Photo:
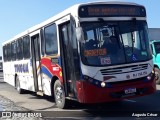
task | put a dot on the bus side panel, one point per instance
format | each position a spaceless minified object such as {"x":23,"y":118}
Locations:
{"x":23,"y":69}
{"x":48,"y":70}
{"x":46,"y":82}
{"x":8,"y":71}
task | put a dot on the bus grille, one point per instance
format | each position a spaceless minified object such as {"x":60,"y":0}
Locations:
{"x":125,"y":69}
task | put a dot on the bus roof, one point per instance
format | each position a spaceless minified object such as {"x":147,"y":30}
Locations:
{"x":72,"y":10}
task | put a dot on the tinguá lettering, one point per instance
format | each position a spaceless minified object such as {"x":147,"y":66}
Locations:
{"x":95,"y":52}
{"x":21,"y":68}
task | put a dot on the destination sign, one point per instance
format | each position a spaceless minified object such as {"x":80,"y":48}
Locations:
{"x":111,"y":10}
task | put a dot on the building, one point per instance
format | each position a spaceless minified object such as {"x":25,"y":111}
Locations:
{"x":154,"y":33}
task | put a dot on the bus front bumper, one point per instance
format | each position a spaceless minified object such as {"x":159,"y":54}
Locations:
{"x":88,"y":93}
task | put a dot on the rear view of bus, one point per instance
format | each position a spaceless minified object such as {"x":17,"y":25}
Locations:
{"x":116,"y":62}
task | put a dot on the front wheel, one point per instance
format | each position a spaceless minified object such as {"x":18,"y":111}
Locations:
{"x":59,"y":95}
{"x":157,"y":75}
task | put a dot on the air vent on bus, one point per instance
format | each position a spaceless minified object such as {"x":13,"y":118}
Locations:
{"x":124,"y":69}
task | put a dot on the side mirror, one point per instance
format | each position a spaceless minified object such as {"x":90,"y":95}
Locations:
{"x":79,"y":34}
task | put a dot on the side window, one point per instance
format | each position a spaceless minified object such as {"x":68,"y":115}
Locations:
{"x":50,"y":35}
{"x":8,"y":52}
{"x":26,"y":47}
{"x":13,"y":51}
{"x":42,"y":42}
{"x":19,"y":49}
{"x":5,"y":53}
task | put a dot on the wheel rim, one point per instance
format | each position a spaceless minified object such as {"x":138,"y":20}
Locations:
{"x":59,"y":94}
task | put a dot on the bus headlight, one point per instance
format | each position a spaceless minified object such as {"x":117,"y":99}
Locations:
{"x":149,"y":77}
{"x":103,"y":84}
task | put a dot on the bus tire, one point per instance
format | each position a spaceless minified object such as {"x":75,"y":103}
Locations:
{"x":157,"y":75}
{"x":18,"y":87}
{"x":59,"y":95}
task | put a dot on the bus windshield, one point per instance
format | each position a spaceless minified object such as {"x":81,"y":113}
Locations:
{"x":111,"y":43}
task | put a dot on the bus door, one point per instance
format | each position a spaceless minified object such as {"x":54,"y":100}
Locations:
{"x":35,"y":51}
{"x":69,"y":56}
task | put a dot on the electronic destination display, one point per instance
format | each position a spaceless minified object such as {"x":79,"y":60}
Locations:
{"x":110,"y":10}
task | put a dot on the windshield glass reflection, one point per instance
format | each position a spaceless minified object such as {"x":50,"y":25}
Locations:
{"x":109,"y":43}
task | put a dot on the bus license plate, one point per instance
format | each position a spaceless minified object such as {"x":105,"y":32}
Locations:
{"x":130,"y":90}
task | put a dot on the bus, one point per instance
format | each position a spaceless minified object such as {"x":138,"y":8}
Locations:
{"x":155,"y":48}
{"x":91,"y":53}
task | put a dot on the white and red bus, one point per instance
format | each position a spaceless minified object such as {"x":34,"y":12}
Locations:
{"x":92,"y":52}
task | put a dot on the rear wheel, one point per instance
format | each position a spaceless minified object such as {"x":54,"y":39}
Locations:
{"x":157,"y":75}
{"x":18,"y":87}
{"x":59,"y":95}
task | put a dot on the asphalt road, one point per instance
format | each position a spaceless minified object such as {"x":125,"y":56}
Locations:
{"x":146,"y":106}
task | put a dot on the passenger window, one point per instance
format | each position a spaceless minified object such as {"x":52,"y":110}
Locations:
{"x":5,"y":53}
{"x":19,"y":49}
{"x":26,"y":47}
{"x":13,"y":50}
{"x":50,"y":35}
{"x":9,"y":52}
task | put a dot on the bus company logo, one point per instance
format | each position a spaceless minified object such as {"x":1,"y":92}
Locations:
{"x":128,"y":76}
{"x":21,"y":68}
{"x":6,"y":115}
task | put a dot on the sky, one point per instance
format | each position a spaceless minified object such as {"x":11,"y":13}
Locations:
{"x":17,"y":16}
